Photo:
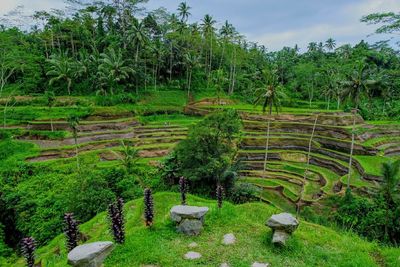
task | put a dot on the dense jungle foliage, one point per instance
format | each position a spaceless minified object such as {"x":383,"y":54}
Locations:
{"x":109,"y":47}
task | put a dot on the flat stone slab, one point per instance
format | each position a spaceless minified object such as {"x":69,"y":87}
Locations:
{"x":191,"y":255}
{"x":284,"y":222}
{"x":258,"y":264}
{"x":193,"y":245}
{"x":229,"y":239}
{"x":224,"y":265}
{"x":90,"y":255}
{"x":180,"y":212}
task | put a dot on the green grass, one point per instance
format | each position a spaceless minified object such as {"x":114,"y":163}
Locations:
{"x":311,"y":245}
{"x":372,"y":164}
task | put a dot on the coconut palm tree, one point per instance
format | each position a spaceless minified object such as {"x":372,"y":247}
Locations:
{"x":138,"y":36}
{"x":226,"y":32}
{"x":330,"y":44}
{"x":208,"y":32}
{"x":183,"y":11}
{"x":312,"y":47}
{"x":357,"y":84}
{"x":61,"y":69}
{"x":390,"y":187}
{"x":113,"y":68}
{"x":270,"y":94}
{"x":191,"y":61}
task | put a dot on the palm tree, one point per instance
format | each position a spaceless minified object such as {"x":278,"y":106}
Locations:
{"x":62,"y":69}
{"x":184,"y":13}
{"x":226,"y":32}
{"x":113,"y":68}
{"x":219,"y":79}
{"x":191,"y":61}
{"x":138,"y":36}
{"x":312,"y":47}
{"x":330,"y":44}
{"x":73,"y":122}
{"x":208,"y":31}
{"x":390,"y":187}
{"x":357,"y":84}
{"x":271,"y":94}
{"x":130,"y":155}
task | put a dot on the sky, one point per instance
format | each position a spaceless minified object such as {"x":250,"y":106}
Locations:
{"x":273,"y":23}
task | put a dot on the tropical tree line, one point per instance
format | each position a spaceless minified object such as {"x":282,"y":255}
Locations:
{"x":109,"y":47}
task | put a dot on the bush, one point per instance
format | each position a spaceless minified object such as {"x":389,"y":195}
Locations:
{"x":367,"y":217}
{"x":88,"y":196}
{"x":243,"y":192}
{"x":208,"y":152}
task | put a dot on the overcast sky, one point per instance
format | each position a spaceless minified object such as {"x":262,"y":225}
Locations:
{"x":273,"y":23}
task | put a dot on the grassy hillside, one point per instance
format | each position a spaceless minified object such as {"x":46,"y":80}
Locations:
{"x":311,"y":245}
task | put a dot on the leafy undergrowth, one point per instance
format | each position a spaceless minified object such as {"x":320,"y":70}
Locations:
{"x":311,"y":244}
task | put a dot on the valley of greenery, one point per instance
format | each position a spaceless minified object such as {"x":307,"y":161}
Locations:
{"x":106,"y":98}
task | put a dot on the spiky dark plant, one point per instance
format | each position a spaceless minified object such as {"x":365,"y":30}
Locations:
{"x":183,"y":188}
{"x":28,"y":247}
{"x":71,"y":231}
{"x":148,"y":207}
{"x":117,"y":221}
{"x":220,"y":195}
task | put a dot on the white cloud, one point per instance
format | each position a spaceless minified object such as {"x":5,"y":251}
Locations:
{"x":346,"y":28}
{"x":29,"y":5}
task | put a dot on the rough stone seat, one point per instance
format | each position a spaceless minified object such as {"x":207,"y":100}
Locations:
{"x":190,"y":219}
{"x":282,"y":225}
{"x":90,"y":255}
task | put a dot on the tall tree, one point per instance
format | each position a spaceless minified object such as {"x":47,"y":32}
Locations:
{"x":330,"y":44}
{"x":62,"y":68}
{"x":390,"y":188}
{"x":183,"y":10}
{"x":113,"y":69}
{"x":270,"y":94}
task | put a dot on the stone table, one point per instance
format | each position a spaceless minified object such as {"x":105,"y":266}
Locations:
{"x":90,"y":255}
{"x":189,"y":219}
{"x":282,"y":225}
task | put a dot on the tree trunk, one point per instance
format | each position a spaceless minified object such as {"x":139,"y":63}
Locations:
{"x":307,"y":167}
{"x":170,"y":64}
{"x":145,"y":77}
{"x":190,"y":84}
{"x":76,"y":150}
{"x":267,"y":141}
{"x":4,"y":115}
{"x":351,"y":151}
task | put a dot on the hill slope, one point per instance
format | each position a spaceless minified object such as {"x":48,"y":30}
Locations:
{"x":311,"y":245}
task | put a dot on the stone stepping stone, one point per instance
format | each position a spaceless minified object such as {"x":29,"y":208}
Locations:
{"x":229,"y":239}
{"x":191,"y":255}
{"x":259,"y":264}
{"x":193,"y":245}
{"x":91,"y":254}
{"x":224,"y":265}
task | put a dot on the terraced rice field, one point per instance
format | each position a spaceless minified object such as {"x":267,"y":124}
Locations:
{"x":292,"y":175}
{"x":288,"y":179}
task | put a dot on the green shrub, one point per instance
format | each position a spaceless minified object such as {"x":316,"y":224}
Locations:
{"x":367,"y":217}
{"x":243,"y":192}
{"x":88,"y":196}
{"x":208,"y":152}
